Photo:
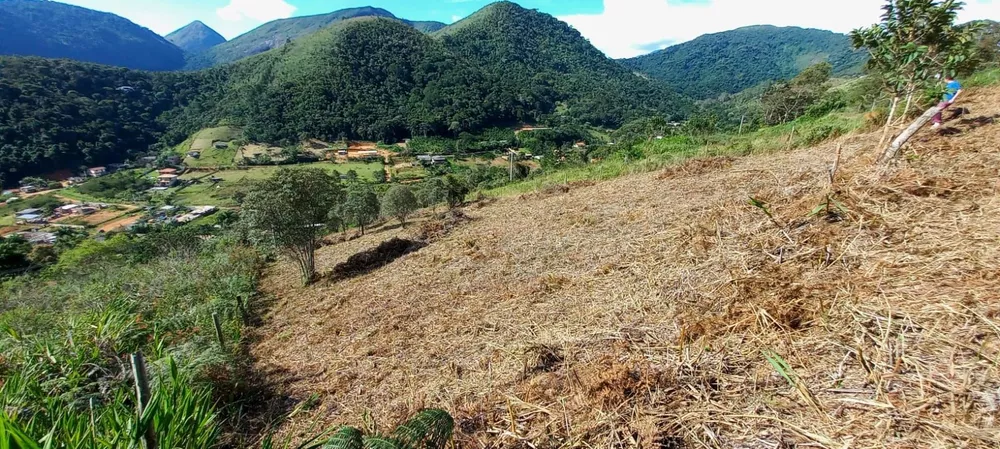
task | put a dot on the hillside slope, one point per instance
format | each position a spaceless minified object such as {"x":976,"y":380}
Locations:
{"x":195,"y":37}
{"x":277,"y":33}
{"x":56,"y":30}
{"x":641,"y":311}
{"x":739,"y":59}
{"x":534,"y":56}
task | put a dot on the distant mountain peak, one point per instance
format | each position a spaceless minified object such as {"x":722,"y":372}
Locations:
{"x":56,"y":30}
{"x":195,"y":37}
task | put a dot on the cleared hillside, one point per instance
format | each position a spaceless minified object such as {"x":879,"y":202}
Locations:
{"x":643,"y":310}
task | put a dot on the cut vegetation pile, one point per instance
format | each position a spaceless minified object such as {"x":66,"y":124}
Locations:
{"x":725,"y":303}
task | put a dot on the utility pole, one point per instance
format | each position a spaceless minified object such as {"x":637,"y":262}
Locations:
{"x":741,"y":124}
{"x":510,"y":155}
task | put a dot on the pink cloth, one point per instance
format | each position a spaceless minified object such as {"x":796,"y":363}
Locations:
{"x":938,"y":118}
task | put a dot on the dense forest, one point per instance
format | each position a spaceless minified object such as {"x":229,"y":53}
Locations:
{"x":56,"y":30}
{"x":536,"y":63}
{"x":277,"y":33}
{"x":732,"y":61}
{"x":195,"y":37}
{"x":57,"y":114}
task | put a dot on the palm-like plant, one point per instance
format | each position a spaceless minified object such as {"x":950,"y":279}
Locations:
{"x":429,"y":429}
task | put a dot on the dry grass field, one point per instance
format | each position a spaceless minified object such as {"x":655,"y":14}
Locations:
{"x":666,"y":310}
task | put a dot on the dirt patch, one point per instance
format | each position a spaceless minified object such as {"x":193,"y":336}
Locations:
{"x":119,"y":224}
{"x":373,"y":259}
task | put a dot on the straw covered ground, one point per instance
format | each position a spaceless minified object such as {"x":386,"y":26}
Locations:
{"x":666,"y":310}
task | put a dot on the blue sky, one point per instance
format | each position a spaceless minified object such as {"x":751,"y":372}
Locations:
{"x":620,"y":28}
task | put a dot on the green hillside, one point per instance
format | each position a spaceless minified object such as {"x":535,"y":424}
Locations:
{"x":62,"y":114}
{"x":364,"y":78}
{"x":277,"y":33}
{"x":732,"y":61}
{"x":195,"y":37}
{"x":532,"y":56}
{"x":56,"y":30}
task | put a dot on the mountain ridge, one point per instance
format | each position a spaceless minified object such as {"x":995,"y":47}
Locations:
{"x":277,"y":33}
{"x":745,"y":57}
{"x":57,"y":30}
{"x":195,"y":37}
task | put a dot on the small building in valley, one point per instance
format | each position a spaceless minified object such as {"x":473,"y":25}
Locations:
{"x":97,"y":171}
{"x":167,"y":180}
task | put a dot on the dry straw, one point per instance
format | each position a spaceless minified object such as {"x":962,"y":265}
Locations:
{"x":665,"y":310}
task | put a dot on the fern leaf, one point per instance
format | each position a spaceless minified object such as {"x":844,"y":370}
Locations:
{"x":345,"y":438}
{"x":429,"y":429}
{"x":381,"y":442}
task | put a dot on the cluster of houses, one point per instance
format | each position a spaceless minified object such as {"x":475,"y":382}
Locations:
{"x":427,"y":159}
{"x":175,"y":214}
{"x":39,"y":216}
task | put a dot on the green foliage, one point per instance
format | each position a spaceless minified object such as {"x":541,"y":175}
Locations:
{"x":916,"y":41}
{"x":784,"y":102}
{"x":733,"y":61}
{"x":399,"y":202}
{"x":277,"y":33}
{"x":432,"y":192}
{"x":58,"y":30}
{"x":456,"y":190}
{"x":195,"y":37}
{"x":536,"y":66}
{"x":429,"y":429}
{"x":122,"y":185}
{"x":14,"y":252}
{"x":361,"y":207}
{"x":61,"y":114}
{"x":66,"y":333}
{"x":288,"y":212}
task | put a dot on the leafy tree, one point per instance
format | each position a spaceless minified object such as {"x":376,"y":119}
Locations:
{"x":33,"y":181}
{"x":399,"y":202}
{"x":288,"y":211}
{"x":456,"y":190}
{"x":784,"y":102}
{"x":917,"y":41}
{"x":361,"y":206}
{"x":432,"y":192}
{"x":14,"y":251}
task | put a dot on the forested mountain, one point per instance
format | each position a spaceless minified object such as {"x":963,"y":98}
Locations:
{"x":276,"y":33}
{"x":536,"y":63}
{"x":56,"y":30}
{"x":366,"y":78}
{"x":195,"y":37}
{"x":57,"y":114}
{"x":732,"y":61}
{"x":372,"y":78}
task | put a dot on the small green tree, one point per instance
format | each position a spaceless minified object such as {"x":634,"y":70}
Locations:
{"x":432,"y":192}
{"x":916,"y":41}
{"x":787,"y":101}
{"x":14,"y":251}
{"x":399,"y":202}
{"x":361,"y":205}
{"x":288,"y":211}
{"x":456,"y":189}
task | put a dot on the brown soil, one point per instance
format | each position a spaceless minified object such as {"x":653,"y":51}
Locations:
{"x":652,"y":310}
{"x":120,"y":223}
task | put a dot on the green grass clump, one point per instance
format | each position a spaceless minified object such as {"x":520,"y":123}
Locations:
{"x":66,"y":333}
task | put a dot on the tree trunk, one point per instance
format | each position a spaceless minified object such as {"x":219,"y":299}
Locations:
{"x":892,"y":152}
{"x":906,"y":110}
{"x":888,"y":123}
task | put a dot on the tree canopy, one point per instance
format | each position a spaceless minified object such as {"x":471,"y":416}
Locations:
{"x":289,"y":211}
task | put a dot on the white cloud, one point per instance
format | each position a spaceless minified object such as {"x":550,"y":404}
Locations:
{"x":258,"y":10}
{"x":630,"y":28}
